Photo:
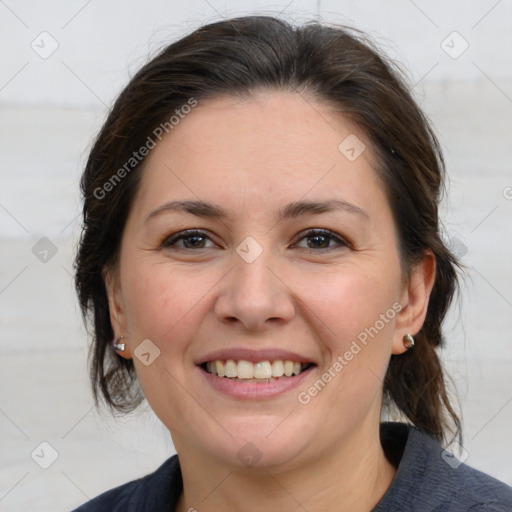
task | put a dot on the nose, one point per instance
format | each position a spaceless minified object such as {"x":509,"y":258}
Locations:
{"x":254,"y":295}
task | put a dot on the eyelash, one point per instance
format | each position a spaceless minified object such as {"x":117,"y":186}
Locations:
{"x":190,"y":233}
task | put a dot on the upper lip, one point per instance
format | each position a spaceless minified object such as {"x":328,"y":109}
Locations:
{"x":255,"y":356}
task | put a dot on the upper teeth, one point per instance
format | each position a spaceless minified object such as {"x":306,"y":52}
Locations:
{"x":249,"y":370}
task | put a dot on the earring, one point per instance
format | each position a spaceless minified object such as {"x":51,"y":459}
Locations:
{"x":408,"y":341}
{"x":118,"y":346}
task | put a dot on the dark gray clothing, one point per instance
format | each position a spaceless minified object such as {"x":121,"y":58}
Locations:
{"x":428,"y":479}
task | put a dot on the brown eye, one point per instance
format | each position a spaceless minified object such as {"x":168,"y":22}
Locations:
{"x":322,"y":239}
{"x":192,"y":239}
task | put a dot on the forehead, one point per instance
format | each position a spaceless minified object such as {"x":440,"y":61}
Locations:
{"x":269,"y":126}
{"x":274,"y":143}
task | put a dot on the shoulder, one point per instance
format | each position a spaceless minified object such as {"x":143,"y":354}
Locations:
{"x":478,"y":490}
{"x":151,"y":493}
{"x":431,"y":479}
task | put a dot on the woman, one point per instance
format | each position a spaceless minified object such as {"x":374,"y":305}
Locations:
{"x":262,"y":261}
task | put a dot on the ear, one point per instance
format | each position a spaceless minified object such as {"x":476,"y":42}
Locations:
{"x":116,"y":308}
{"x":414,"y":299}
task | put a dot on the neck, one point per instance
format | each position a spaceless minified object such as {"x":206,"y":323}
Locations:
{"x":354,"y":476}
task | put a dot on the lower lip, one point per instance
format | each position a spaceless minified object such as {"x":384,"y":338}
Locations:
{"x":255,"y":390}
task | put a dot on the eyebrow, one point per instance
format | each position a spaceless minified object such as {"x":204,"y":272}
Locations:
{"x":291,"y":210}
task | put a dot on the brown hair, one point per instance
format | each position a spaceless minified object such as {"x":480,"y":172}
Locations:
{"x":338,"y":65}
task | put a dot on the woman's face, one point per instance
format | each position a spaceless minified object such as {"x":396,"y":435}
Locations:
{"x":257,"y":286}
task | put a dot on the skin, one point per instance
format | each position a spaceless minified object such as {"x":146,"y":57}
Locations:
{"x":253,"y":157}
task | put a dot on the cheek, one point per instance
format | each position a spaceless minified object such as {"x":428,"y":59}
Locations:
{"x":164,"y":304}
{"x":358,"y":343}
{"x":355,"y":309}
{"x":351,"y":299}
{"x":163,"y":300}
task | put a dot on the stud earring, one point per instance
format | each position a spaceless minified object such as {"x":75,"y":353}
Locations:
{"x":408,"y":341}
{"x":118,"y":346}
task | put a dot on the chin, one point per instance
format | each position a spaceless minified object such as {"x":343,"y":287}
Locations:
{"x":262,"y":442}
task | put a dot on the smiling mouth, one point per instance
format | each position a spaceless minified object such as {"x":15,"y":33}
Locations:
{"x":262,"y":371}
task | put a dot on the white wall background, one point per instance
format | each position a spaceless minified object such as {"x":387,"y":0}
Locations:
{"x":50,"y":109}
